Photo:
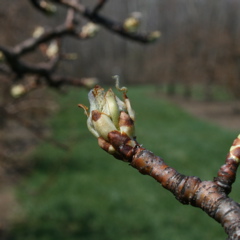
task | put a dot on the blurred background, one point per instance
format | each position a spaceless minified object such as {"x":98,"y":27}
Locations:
{"x":185,"y":88}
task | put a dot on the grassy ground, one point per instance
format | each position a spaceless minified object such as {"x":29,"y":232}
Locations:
{"x":84,"y":193}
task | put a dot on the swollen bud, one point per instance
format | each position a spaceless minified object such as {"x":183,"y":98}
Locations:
{"x":48,"y":7}
{"x":153,"y":36}
{"x":235,"y":150}
{"x":18,"y":90}
{"x":38,"y":32}
{"x":108,"y":114}
{"x":132,"y":23}
{"x":89,"y":30}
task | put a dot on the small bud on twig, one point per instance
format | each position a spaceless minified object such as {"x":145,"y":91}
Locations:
{"x":153,"y":36}
{"x":235,"y":150}
{"x":52,"y":50}
{"x":48,"y":7}
{"x":132,"y":23}
{"x":18,"y":90}
{"x":38,"y":31}
{"x":89,"y":30}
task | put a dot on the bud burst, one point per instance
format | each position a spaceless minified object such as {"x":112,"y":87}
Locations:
{"x":108,"y":113}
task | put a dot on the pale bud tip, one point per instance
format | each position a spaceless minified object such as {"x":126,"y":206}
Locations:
{"x":153,"y":36}
{"x":18,"y":90}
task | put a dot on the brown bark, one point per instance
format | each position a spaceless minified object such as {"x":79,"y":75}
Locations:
{"x":210,"y":196}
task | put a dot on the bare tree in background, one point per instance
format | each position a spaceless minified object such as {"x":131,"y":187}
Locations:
{"x":23,"y":108}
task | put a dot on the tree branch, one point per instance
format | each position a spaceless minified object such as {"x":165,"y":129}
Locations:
{"x":94,"y":16}
{"x":45,"y":71}
{"x":99,"y":6}
{"x":210,"y":196}
{"x":112,"y":122}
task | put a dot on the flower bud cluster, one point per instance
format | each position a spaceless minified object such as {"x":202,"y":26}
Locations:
{"x":109,"y":114}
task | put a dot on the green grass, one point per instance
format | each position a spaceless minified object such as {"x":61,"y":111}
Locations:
{"x":84,"y":193}
{"x":198,"y":91}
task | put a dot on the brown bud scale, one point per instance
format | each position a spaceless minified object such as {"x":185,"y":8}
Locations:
{"x":96,"y":115}
{"x":125,"y":120}
{"x":104,"y":144}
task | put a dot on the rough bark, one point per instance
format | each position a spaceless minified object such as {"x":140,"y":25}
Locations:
{"x":210,"y":196}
